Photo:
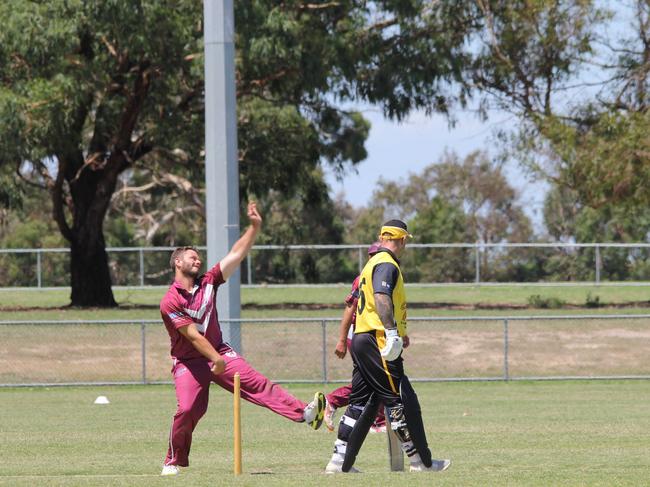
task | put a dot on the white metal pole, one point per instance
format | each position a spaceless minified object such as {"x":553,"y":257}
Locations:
{"x":221,"y":171}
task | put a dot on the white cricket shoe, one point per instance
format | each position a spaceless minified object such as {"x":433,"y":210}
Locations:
{"x":315,"y":411}
{"x":329,"y":415}
{"x":335,"y":466}
{"x":170,"y":470}
{"x":436,"y":466}
{"x":377,"y":428}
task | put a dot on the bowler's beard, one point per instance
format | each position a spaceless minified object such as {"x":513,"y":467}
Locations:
{"x":188,"y":271}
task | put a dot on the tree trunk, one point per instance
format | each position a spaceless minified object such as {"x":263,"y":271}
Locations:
{"x":90,"y":275}
{"x":91,"y":181}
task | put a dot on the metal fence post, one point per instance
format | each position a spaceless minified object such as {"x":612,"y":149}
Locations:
{"x":506,"y":373}
{"x":249,"y":272}
{"x":477,"y":263}
{"x":324,"y":328}
{"x":38,"y":268}
{"x":598,"y":264}
{"x":144,"y":352}
{"x":141,"y":267}
{"x":360,"y":258}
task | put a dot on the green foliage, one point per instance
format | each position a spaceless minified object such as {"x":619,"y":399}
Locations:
{"x":604,"y":156}
{"x":97,"y":97}
{"x":567,"y":217}
{"x":11,"y":193}
{"x":530,"y":49}
{"x":589,"y":142}
{"x":307,"y":218}
{"x":593,"y":301}
{"x":454,"y":201}
{"x":539,"y":301}
{"x":100,"y":96}
{"x":439,"y":222}
{"x":30,"y":226}
{"x":493,"y":214}
{"x":583,"y":103}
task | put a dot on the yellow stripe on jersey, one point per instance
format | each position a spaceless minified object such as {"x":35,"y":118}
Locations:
{"x":381,"y":343}
{"x":367,"y":316}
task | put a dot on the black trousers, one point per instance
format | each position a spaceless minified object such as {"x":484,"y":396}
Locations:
{"x":371,"y":373}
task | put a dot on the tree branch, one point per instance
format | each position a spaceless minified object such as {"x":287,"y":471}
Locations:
{"x":318,"y":6}
{"x":515,"y":68}
{"x":58,"y":199}
{"x":29,"y":181}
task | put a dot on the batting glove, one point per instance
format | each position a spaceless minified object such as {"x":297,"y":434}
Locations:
{"x":393,"y":346}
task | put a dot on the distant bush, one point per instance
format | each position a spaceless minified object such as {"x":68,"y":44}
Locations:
{"x":538,"y":301}
{"x":592,"y":301}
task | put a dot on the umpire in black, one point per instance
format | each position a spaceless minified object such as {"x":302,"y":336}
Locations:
{"x":378,"y":373}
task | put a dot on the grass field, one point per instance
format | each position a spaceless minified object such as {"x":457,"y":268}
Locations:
{"x":496,"y":433}
{"x":327,"y":301}
{"x":544,"y":433}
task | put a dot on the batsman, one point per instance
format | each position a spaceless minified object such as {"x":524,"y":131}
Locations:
{"x":378,"y":374}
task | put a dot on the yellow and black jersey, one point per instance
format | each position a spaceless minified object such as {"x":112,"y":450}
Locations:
{"x":385,"y":282}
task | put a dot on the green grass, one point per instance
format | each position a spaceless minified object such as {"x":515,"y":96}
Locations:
{"x":546,"y":433}
{"x":457,"y":295}
{"x":266,"y":302}
{"x":496,"y":433}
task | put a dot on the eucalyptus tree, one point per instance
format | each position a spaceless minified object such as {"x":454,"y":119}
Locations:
{"x":576,"y":73}
{"x":94,"y":93}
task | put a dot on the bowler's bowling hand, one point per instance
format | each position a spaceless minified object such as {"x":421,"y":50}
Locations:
{"x":253,"y":214}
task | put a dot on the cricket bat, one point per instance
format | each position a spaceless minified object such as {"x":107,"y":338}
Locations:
{"x":395,"y":454}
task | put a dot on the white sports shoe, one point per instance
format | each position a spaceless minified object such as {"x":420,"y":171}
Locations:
{"x":170,"y":470}
{"x":377,"y":429}
{"x":329,"y":415}
{"x":336,"y":467}
{"x":436,"y":466}
{"x":315,"y":411}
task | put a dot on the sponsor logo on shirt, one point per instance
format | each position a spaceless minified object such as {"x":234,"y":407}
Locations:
{"x":173,"y":316}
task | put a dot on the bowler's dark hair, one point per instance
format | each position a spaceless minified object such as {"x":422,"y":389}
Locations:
{"x":178,"y":253}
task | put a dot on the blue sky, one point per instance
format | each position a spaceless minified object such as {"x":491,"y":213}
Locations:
{"x":396,"y":149}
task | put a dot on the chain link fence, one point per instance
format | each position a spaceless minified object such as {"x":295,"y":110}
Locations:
{"x":468,"y":263}
{"x":302,"y":350}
